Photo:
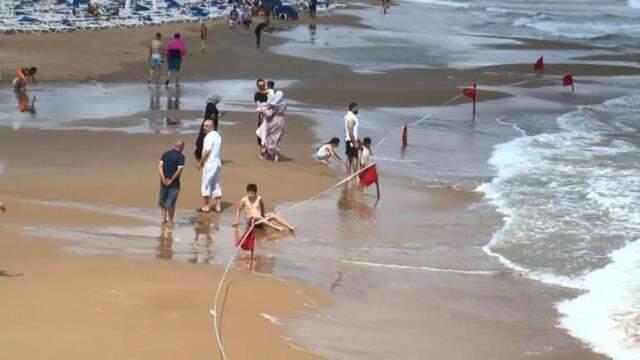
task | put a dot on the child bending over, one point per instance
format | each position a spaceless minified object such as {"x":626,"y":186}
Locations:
{"x":253,"y":207}
{"x":328,"y":150}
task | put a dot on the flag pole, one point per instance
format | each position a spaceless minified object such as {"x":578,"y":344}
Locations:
{"x":475,"y":95}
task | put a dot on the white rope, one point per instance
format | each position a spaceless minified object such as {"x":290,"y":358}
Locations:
{"x":375,"y":148}
{"x":214,"y":311}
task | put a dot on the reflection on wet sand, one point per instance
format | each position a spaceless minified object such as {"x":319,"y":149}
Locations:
{"x":165,"y":244}
{"x":352,"y":197}
{"x":157,"y":122}
{"x":203,"y":243}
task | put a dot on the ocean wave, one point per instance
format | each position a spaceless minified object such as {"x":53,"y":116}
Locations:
{"x":572,"y":218}
{"x":561,"y":28}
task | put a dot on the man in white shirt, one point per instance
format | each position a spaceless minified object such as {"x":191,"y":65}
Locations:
{"x":351,"y":124}
{"x":211,"y":167}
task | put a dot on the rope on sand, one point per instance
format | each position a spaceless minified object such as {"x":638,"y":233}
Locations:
{"x":214,"y":311}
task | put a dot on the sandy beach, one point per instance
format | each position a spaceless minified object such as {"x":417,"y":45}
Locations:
{"x":87,"y":271}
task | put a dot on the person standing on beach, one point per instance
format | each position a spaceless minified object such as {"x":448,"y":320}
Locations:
{"x":352,"y":143}
{"x":169,"y":169}
{"x":260,"y":98}
{"x":175,"y":51}
{"x":3,"y":207}
{"x":203,"y":35}
{"x":156,"y":48}
{"x":313,"y":6}
{"x":258,"y":32}
{"x":274,"y":127}
{"x":210,"y":113}
{"x":211,"y":167}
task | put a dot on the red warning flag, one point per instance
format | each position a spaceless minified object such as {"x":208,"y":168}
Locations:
{"x":567,"y":80}
{"x":470,"y":92}
{"x":250,"y":234}
{"x":539,"y":65}
{"x":368,"y":176}
{"x":404,"y":135}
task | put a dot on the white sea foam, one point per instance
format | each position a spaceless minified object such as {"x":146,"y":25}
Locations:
{"x":576,"y":30}
{"x":607,"y":316}
{"x":419,"y":268}
{"x":571,"y":202}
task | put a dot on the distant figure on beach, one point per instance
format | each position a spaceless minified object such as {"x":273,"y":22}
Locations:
{"x":327,"y":151}
{"x":260,"y":98}
{"x":175,"y":50}
{"x":211,"y":166}
{"x":258,"y":32}
{"x":3,"y":207}
{"x":253,"y":207}
{"x":24,"y":104}
{"x":210,"y":113}
{"x":313,"y":6}
{"x":203,"y":35}
{"x":24,"y":76}
{"x":170,"y":169}
{"x":156,"y":49}
{"x":271,"y":88}
{"x":247,"y":17}
{"x":234,"y":15}
{"x":386,"y":4}
{"x":352,"y":142}
{"x":272,"y":127}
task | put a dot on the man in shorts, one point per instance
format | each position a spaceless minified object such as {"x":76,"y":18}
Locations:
{"x":175,"y":50}
{"x":351,"y":125}
{"x":156,"y":48}
{"x":169,"y":169}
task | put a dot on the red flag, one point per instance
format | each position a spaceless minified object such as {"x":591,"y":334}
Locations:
{"x":368,"y":176}
{"x":470,"y":92}
{"x":404,"y":135}
{"x":250,"y":234}
{"x":539,"y":65}
{"x":567,"y":80}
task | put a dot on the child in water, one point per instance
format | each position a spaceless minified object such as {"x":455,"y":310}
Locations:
{"x":253,"y":207}
{"x":328,"y":150}
{"x":365,"y":154}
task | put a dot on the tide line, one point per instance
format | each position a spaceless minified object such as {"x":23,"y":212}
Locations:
{"x":420,"y":268}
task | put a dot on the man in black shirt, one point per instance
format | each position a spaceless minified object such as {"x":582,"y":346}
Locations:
{"x":169,"y":169}
{"x":260,"y":98}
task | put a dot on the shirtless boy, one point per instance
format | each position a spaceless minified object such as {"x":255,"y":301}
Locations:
{"x":253,"y":207}
{"x":156,"y":49}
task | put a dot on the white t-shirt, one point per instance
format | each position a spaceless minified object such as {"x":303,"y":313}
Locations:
{"x":364,"y":156}
{"x":351,"y":116}
{"x":212,"y":142}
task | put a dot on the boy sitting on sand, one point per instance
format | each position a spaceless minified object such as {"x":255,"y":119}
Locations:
{"x":253,"y":207}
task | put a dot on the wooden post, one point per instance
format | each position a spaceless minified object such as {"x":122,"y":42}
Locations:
{"x":475,"y":96}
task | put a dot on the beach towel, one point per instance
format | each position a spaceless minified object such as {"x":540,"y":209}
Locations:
{"x":250,"y":234}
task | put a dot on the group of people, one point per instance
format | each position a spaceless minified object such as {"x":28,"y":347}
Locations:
{"x":173,"y":52}
{"x":358,"y":152}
